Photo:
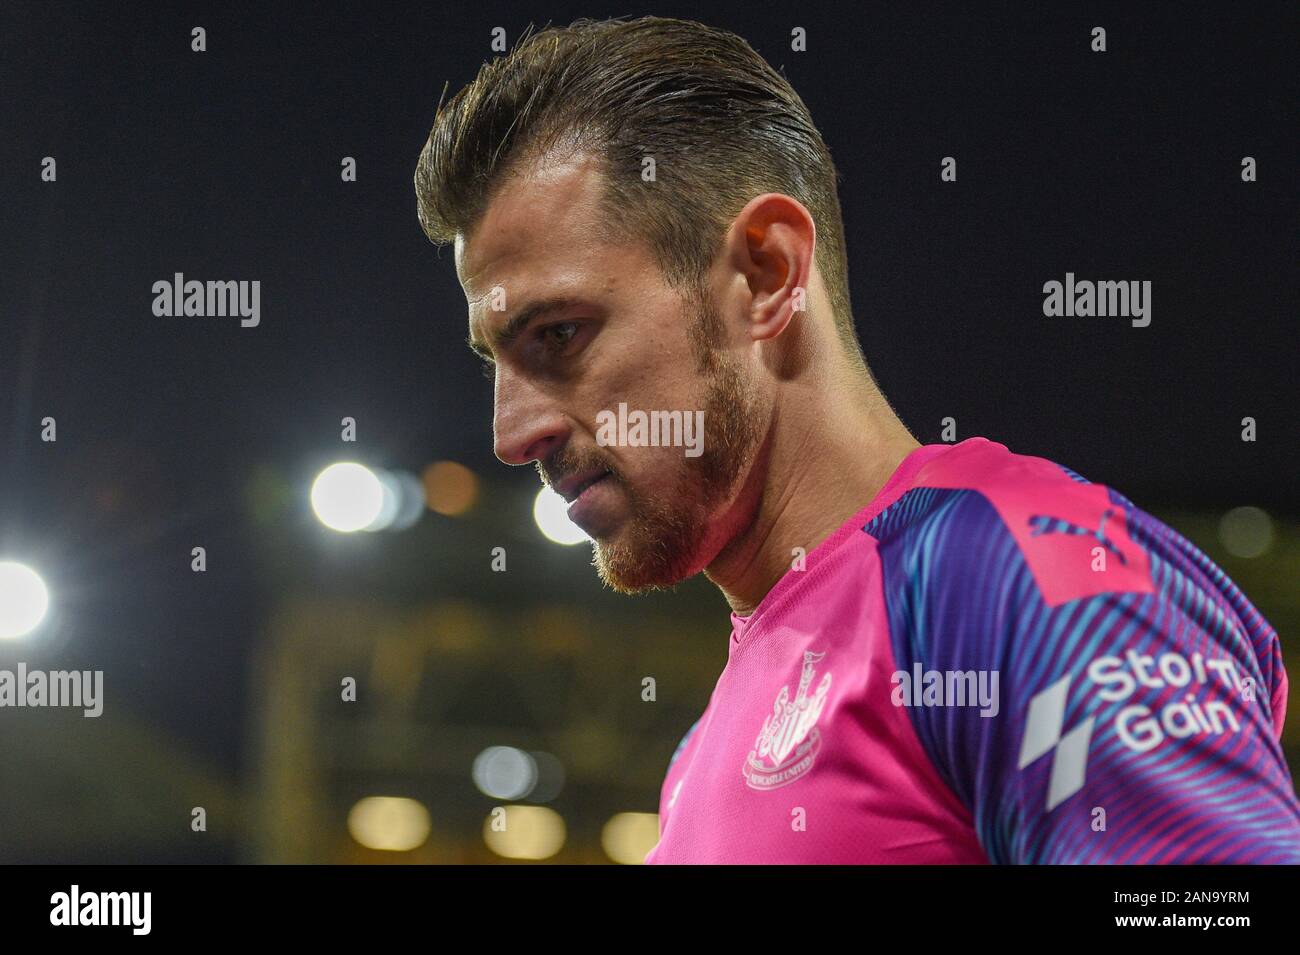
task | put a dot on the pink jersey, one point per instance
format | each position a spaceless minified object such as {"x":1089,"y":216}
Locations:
{"x":986,"y":655}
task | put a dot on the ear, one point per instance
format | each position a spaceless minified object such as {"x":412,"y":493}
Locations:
{"x":771,"y":243}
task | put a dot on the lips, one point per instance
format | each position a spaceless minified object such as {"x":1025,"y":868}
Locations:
{"x":571,"y":487}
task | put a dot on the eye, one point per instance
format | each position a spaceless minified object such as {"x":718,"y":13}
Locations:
{"x":559,"y":335}
{"x":488,"y":368}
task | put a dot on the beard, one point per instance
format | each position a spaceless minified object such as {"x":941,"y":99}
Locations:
{"x":668,"y":537}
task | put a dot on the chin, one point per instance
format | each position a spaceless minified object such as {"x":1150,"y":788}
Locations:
{"x":646,"y":565}
{"x":628,"y":571}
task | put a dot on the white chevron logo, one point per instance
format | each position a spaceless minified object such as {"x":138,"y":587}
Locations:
{"x":1043,"y":735}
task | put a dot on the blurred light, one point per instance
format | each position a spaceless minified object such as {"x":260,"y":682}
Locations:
{"x":450,"y":488}
{"x":531,"y":832}
{"x":551,"y":512}
{"x":391,"y":823}
{"x":410,"y":500}
{"x":1246,"y":531}
{"x":504,"y":772}
{"x":403,"y":501}
{"x":388,"y":504}
{"x":23,"y":600}
{"x":628,"y":836}
{"x":347,"y":497}
{"x":550,"y":777}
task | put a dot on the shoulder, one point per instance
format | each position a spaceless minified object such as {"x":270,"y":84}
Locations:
{"x":1124,"y":669}
{"x":980,"y":516}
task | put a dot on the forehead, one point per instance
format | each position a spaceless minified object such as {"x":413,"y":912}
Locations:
{"x":543,"y":222}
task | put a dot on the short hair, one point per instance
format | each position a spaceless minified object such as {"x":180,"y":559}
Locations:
{"x":721,"y":124}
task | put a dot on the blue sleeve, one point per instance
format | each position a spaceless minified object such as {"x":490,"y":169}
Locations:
{"x":1119,"y":727}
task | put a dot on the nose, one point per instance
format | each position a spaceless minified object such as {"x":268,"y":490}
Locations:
{"x":527,"y":425}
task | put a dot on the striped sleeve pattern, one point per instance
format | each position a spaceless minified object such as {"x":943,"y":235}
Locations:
{"x":1131,"y":727}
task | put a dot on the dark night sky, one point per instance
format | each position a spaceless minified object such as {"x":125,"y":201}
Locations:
{"x":225,"y":165}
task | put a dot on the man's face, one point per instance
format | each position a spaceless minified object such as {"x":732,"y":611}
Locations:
{"x":588,"y":324}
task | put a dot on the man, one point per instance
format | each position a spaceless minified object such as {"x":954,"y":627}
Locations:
{"x":948,"y":653}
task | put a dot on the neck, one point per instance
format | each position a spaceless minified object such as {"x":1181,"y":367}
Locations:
{"x":822,"y":461}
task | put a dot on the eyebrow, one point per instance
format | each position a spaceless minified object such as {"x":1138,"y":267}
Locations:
{"x":514,"y":326}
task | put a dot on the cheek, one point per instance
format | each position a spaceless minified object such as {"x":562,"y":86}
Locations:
{"x":630,"y":387}
{"x":650,"y":360}
{"x":658,"y":472}
{"x":649,"y":368}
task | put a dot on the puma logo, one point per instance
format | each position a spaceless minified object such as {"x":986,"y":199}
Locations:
{"x":1044,"y":524}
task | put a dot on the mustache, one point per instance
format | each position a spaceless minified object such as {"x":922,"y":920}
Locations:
{"x":567,"y":461}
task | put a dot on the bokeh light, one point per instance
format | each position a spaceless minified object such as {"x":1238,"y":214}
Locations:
{"x":529,"y":832}
{"x":504,"y":772}
{"x":389,"y":823}
{"x":551,"y":512}
{"x":347,"y":497}
{"x":1246,"y":531}
{"x":450,"y":488}
{"x":23,"y":600}
{"x":628,"y":836}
